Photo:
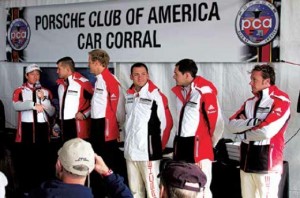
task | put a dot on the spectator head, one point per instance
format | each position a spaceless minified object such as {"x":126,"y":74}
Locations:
{"x":8,"y":169}
{"x":180,"y":179}
{"x":76,"y":159}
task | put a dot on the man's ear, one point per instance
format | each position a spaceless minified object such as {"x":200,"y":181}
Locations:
{"x":187,"y":75}
{"x":68,"y":69}
{"x":268,"y":81}
{"x":58,"y":166}
{"x":58,"y":169}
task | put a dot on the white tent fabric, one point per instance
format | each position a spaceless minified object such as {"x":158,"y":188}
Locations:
{"x":231,"y":79}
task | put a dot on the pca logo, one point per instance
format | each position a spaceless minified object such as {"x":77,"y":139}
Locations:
{"x":18,"y":34}
{"x":257,"y":23}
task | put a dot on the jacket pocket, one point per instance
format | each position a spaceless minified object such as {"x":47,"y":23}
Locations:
{"x":257,"y":158}
{"x":154,"y":147}
{"x":184,"y":149}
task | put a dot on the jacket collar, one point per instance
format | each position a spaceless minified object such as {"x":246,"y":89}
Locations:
{"x":149,"y":86}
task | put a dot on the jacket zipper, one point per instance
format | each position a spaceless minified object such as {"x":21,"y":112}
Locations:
{"x":197,"y":147}
{"x":246,"y":159}
{"x":150,"y":145}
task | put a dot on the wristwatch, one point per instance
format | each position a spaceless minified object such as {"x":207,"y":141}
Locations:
{"x":109,"y":172}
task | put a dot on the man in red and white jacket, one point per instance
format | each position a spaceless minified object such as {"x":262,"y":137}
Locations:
{"x":108,"y":111}
{"x":147,"y":131}
{"x":74,"y":93}
{"x":33,"y":103}
{"x":200,"y":123}
{"x":262,"y":121}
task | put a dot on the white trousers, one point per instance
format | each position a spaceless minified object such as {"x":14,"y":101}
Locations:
{"x":256,"y":185}
{"x":206,"y":166}
{"x":143,"y":175}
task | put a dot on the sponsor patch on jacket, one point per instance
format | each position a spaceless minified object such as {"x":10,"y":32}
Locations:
{"x":99,"y":91}
{"x":191,"y":104}
{"x":113,"y":96}
{"x":72,"y":92}
{"x":211,"y":109}
{"x":145,"y":101}
{"x":263,"y":109}
{"x":129,"y":100}
{"x":278,"y":111}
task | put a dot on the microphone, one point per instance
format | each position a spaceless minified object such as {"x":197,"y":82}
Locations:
{"x":38,"y":87}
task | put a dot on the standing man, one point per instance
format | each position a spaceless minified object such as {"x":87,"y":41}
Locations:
{"x":75,"y":93}
{"x":200,"y":123}
{"x":107,"y":110}
{"x":33,"y":103}
{"x":147,"y":130}
{"x":263,"y":121}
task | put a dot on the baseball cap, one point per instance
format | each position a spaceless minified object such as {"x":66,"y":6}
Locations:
{"x":183,"y":175}
{"x":31,"y":68}
{"x":77,"y":156}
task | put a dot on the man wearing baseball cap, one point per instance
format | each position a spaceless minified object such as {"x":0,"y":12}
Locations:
{"x":76,"y":160}
{"x":181,"y":179}
{"x":33,"y":103}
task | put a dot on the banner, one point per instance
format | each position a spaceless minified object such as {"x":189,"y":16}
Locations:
{"x":130,"y":31}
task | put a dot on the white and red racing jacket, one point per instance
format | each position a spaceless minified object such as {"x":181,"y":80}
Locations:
{"x":108,"y":103}
{"x":267,"y":115}
{"x":148,"y":123}
{"x":200,"y":122}
{"x":23,"y":102}
{"x":74,"y":96}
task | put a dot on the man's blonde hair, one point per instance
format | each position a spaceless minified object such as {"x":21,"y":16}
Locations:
{"x":100,"y":55}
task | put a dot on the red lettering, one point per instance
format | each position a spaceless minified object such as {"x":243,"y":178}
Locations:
{"x":151,"y":179}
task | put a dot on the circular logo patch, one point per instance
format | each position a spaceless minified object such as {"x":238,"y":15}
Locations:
{"x":18,"y":34}
{"x":257,"y":23}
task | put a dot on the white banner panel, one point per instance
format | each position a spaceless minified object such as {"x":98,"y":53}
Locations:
{"x":130,"y":31}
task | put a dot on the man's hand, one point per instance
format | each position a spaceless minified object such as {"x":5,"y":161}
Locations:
{"x":79,"y":116}
{"x":56,"y":130}
{"x":243,"y":117}
{"x":40,"y":94}
{"x":39,"y":108}
{"x":100,"y":166}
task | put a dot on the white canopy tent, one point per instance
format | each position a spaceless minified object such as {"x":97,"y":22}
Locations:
{"x":231,"y":79}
